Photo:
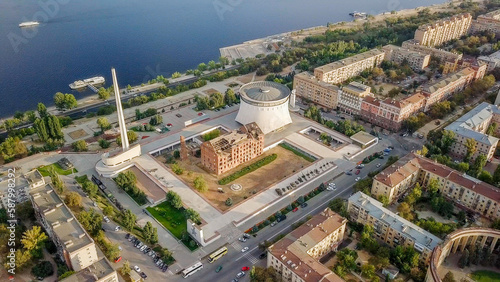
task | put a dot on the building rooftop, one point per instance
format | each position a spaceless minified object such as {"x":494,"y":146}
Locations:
{"x":415,"y":98}
{"x":308,"y":76}
{"x":356,"y":87}
{"x":33,"y":176}
{"x":493,"y":14}
{"x":349,"y":60}
{"x":394,"y":174}
{"x":443,"y":21}
{"x":94,"y":272}
{"x":224,"y":144}
{"x":375,"y":208}
{"x":57,"y":214}
{"x":466,"y":125}
{"x":292,"y":250}
{"x":363,"y":137}
{"x":264,"y":91}
{"x":446,"y":80}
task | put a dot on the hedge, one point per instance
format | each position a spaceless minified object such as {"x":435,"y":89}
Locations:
{"x":248,"y":169}
{"x":297,"y":152}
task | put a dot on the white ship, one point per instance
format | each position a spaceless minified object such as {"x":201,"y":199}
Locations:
{"x":28,"y":24}
{"x":86,"y":82}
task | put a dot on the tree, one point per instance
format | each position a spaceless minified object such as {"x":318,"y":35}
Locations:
{"x":405,"y":211}
{"x":211,"y":65}
{"x":112,"y":251}
{"x":73,"y":199}
{"x":90,"y":188}
{"x":129,"y":219}
{"x":478,"y":165}
{"x":70,"y":101}
{"x":223,"y":61}
{"x":42,"y":110}
{"x":33,"y":240}
{"x":200,"y":184}
{"x":230,"y":97}
{"x":193,"y":215}
{"x":150,"y":233}
{"x":12,"y":149}
{"x":43,"y":269}
{"x":384,"y":200}
{"x":91,"y":221}
{"x":125,"y":269}
{"x":449,"y":277}
{"x":433,"y":186}
{"x":174,"y":199}
{"x":471,"y":146}
{"x":79,"y":146}
{"x":368,"y":271}
{"x":202,"y":67}
{"x":59,"y":101}
{"x":103,"y":94}
{"x":108,"y":210}
{"x":103,"y":123}
{"x":492,"y":128}
{"x":176,"y":74}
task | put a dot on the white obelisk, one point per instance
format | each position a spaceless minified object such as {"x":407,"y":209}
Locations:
{"x":119,"y":109}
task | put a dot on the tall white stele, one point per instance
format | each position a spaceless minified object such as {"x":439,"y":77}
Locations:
{"x":119,"y":109}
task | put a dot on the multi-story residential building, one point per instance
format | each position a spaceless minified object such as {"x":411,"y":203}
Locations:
{"x":340,"y":71}
{"x":226,"y":152}
{"x":447,"y":85}
{"x":443,"y":55}
{"x":442,"y":31}
{"x":351,"y":96}
{"x":296,"y":256}
{"x":390,"y":113}
{"x":317,"y":91}
{"x":389,"y":227}
{"x":22,"y":185}
{"x":416,"y":60}
{"x":100,"y":271}
{"x":479,"y":66}
{"x":474,"y":125}
{"x":487,"y":22}
{"x":492,"y":61}
{"x":465,"y":191}
{"x":73,"y":243}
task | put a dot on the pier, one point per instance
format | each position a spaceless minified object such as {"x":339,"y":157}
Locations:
{"x":92,"y":87}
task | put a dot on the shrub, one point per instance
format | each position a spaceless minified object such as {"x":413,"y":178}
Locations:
{"x":177,"y":169}
{"x":262,"y":162}
{"x":229,"y":202}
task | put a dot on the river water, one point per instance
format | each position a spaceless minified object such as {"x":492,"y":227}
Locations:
{"x":141,"y":38}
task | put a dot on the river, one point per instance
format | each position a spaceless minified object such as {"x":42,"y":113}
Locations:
{"x":79,"y":39}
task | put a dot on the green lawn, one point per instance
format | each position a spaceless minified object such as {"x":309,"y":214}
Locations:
{"x":44,"y":170}
{"x":485,"y":276}
{"x":173,"y":219}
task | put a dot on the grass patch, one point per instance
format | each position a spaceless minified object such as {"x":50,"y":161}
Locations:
{"x":44,"y":170}
{"x":297,"y":152}
{"x":260,"y":163}
{"x":173,"y":219}
{"x":485,"y":276}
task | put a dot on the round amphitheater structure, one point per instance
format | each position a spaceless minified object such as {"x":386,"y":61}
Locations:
{"x":457,"y":241}
{"x":265,"y":103}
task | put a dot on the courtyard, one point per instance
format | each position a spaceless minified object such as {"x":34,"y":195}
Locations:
{"x":286,"y":164}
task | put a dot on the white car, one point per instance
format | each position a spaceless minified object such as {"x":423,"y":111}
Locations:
{"x":136,"y":268}
{"x":329,"y":188}
{"x":244,"y":249}
{"x":106,"y":219}
{"x":117,"y":228}
{"x":357,"y":179}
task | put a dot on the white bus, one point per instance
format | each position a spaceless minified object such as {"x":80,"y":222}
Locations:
{"x":192,"y":269}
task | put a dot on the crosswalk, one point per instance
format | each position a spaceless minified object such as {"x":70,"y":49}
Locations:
{"x":231,"y":234}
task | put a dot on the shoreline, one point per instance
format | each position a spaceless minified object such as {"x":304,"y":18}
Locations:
{"x":293,"y":35}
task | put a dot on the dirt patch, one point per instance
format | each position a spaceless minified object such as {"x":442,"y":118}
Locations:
{"x":77,"y":134}
{"x":210,"y":91}
{"x":147,"y":185}
{"x":245,"y":78}
{"x":285,"y":165}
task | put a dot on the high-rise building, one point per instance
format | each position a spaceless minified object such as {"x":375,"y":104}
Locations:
{"x":390,"y":228}
{"x":309,"y":87}
{"x":296,"y":256}
{"x":444,"y":30}
{"x":487,"y":22}
{"x":340,"y":71}
{"x":416,"y":60}
{"x":226,"y":152}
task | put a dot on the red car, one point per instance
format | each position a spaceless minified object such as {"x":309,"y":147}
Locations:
{"x":245,"y":268}
{"x":200,"y":114}
{"x":358,"y":171}
{"x":169,"y":124}
{"x":295,"y":209}
{"x":118,"y":259}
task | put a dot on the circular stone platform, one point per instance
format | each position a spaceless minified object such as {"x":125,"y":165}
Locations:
{"x":236,"y":187}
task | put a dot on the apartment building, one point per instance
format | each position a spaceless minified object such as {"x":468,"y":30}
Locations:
{"x":73,"y":243}
{"x":487,"y":22}
{"x":442,"y":55}
{"x":447,"y":85}
{"x":22,"y":185}
{"x":351,"y":96}
{"x":321,"y":93}
{"x":390,"y":113}
{"x":442,"y":31}
{"x":226,"y":152}
{"x":492,"y":61}
{"x":340,"y":71}
{"x":389,"y":227}
{"x":465,"y":191}
{"x":466,"y":62}
{"x":296,"y":256}
{"x":100,"y":271}
{"x":416,"y":60}
{"x":474,"y":125}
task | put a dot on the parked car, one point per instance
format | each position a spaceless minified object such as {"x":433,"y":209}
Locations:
{"x":200,"y":114}
{"x":245,"y":268}
{"x":118,"y":259}
{"x":127,"y":235}
{"x":379,"y":165}
{"x":240,"y":274}
{"x":144,"y":276}
{"x":106,"y":219}
{"x":295,"y":209}
{"x":273,"y":223}
{"x":303,"y":205}
{"x":348,"y":173}
{"x":358,"y":171}
{"x":138,"y":269}
{"x":118,"y":228}
{"x":263,"y":255}
{"x":357,"y":179}
{"x":246,"y":236}
{"x":164,"y":268}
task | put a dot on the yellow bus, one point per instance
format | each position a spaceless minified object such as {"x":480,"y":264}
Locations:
{"x":217,"y":254}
